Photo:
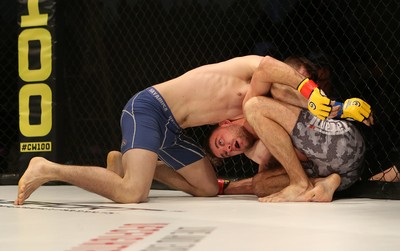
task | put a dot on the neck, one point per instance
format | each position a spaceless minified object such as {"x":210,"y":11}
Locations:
{"x":250,"y":129}
{"x":243,"y":122}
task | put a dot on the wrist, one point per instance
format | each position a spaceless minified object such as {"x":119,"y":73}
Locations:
{"x":306,"y":87}
{"x":222,"y":184}
{"x":340,"y":112}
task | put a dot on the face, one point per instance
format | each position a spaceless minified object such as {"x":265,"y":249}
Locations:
{"x":229,"y":140}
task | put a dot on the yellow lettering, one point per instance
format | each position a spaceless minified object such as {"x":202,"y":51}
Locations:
{"x":45,"y":126}
{"x":44,"y":72}
{"x":34,"y":18}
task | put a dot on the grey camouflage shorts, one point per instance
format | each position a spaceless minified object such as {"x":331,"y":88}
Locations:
{"x":332,"y":146}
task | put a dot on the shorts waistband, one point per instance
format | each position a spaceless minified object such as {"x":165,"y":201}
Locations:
{"x":158,"y":97}
{"x":152,"y":91}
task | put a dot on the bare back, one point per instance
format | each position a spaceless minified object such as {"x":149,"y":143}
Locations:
{"x":211,"y":93}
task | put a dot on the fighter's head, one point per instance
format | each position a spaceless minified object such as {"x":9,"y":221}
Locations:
{"x":229,"y":139}
{"x":304,"y":66}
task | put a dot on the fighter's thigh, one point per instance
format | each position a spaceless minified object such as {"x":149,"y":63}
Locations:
{"x":201,"y":174}
{"x":263,"y":107}
{"x":139,"y":166}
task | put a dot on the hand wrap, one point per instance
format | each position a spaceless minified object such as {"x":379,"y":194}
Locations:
{"x":318,"y":103}
{"x":354,"y":109}
{"x":222,"y":184}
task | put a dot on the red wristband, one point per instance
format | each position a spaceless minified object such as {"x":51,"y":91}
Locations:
{"x":306,"y":87}
{"x":222,"y":184}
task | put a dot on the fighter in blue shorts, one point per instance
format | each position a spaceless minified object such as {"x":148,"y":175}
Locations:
{"x":147,"y":123}
{"x":153,"y":141}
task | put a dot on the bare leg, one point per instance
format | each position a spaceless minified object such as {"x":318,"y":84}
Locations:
{"x":206,"y":179}
{"x":134,"y":187}
{"x":41,"y":171}
{"x":114,"y":163}
{"x":265,"y":116}
{"x":389,"y":175}
{"x":197,"y":179}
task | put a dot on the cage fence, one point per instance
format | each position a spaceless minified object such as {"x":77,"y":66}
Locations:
{"x":109,"y":50}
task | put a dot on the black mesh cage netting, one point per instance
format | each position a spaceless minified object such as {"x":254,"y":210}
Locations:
{"x":108,"y":50}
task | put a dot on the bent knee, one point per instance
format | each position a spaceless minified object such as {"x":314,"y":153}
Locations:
{"x":130,"y":194}
{"x":131,"y":198}
{"x":251,"y":104}
{"x":255,"y":106}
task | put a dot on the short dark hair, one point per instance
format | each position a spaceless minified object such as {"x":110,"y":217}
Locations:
{"x":297,"y":61}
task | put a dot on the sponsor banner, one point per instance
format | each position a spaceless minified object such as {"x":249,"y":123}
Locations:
{"x":26,"y":147}
{"x":36,"y":61}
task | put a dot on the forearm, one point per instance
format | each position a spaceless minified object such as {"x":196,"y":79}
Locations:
{"x":243,"y":186}
{"x":288,"y":95}
{"x":271,"y":71}
{"x":269,"y":182}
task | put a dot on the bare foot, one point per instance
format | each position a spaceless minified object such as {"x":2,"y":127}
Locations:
{"x":114,"y":163}
{"x":289,"y":193}
{"x":325,"y":188}
{"x":33,"y":178}
{"x":396,"y":171}
{"x":389,"y":175}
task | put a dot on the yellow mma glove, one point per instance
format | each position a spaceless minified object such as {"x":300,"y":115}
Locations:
{"x":354,"y":109}
{"x":318,"y":103}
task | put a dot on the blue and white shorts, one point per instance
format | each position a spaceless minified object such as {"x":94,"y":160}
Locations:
{"x":147,"y":123}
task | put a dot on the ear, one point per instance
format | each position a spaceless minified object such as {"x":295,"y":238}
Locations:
{"x":225,"y":122}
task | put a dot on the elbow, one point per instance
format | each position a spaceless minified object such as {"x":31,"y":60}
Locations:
{"x":267,"y":60}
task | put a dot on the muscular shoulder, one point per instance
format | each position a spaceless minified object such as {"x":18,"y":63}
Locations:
{"x":242,"y":67}
{"x":246,"y":63}
{"x":248,"y":60}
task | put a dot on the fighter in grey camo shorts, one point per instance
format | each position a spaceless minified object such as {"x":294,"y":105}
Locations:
{"x":331,"y":146}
